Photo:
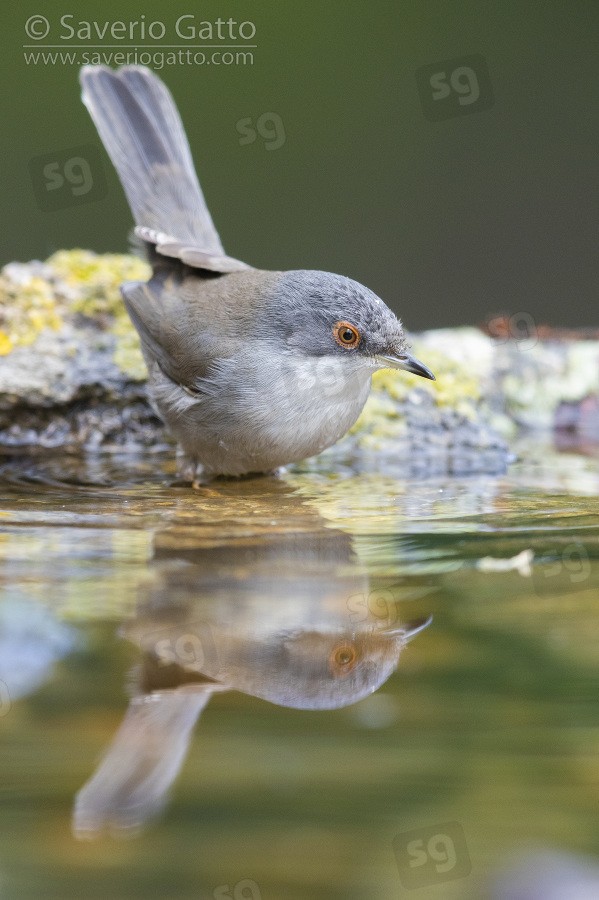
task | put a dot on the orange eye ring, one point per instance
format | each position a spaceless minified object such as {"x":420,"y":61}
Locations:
{"x":346,"y":335}
{"x":342,"y":659}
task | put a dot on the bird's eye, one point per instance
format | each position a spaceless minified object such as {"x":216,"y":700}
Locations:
{"x":342,"y":659}
{"x":346,"y":335}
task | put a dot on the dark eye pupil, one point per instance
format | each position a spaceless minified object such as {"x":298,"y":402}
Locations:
{"x":347,"y":335}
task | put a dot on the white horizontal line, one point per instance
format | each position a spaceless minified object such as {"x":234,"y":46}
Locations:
{"x":140,"y":46}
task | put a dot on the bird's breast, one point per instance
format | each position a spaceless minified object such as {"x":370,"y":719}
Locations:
{"x":263,"y":411}
{"x":306,"y":404}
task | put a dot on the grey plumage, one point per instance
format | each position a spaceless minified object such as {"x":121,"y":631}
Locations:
{"x":142,"y":131}
{"x":244,"y":365}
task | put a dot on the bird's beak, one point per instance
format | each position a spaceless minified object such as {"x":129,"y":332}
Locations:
{"x":404,"y":361}
{"x":407,"y":630}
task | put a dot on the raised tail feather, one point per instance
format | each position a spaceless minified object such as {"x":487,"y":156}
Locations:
{"x":133,"y":780}
{"x":141,"y":129}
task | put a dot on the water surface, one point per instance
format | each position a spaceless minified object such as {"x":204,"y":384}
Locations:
{"x":119,"y":584}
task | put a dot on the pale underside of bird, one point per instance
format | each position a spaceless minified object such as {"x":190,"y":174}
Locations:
{"x":251,"y":370}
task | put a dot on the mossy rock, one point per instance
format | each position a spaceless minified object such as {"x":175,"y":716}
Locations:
{"x":76,"y":288}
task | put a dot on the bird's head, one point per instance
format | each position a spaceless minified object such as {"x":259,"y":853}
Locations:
{"x":329,"y":317}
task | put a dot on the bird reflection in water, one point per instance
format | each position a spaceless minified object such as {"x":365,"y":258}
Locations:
{"x":275,"y":619}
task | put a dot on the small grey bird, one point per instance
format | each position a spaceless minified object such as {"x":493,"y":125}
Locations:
{"x":327,"y":665}
{"x":251,"y":370}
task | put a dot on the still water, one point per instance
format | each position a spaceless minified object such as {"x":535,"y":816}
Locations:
{"x":238,"y":692}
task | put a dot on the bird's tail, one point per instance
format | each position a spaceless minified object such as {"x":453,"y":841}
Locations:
{"x":141,"y":129}
{"x":133,"y":780}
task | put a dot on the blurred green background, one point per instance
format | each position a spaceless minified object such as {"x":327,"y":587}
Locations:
{"x":449,"y":221}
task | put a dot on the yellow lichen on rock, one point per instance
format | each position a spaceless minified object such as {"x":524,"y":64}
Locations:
{"x":455,"y":388}
{"x":127,"y":355}
{"x":6,"y":344}
{"x":97,"y":280}
{"x":455,"y":384}
{"x":26,"y":308}
{"x":70,"y":285}
{"x":379,"y":416}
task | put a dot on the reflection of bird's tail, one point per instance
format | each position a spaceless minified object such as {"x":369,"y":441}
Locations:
{"x":140,"y":127}
{"x":144,"y":759}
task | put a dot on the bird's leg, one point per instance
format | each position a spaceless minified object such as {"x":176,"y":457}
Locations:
{"x":191,"y":470}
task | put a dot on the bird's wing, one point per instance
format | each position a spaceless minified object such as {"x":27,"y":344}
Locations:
{"x":189,"y":325}
{"x":173,"y":331}
{"x":140,"y":127}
